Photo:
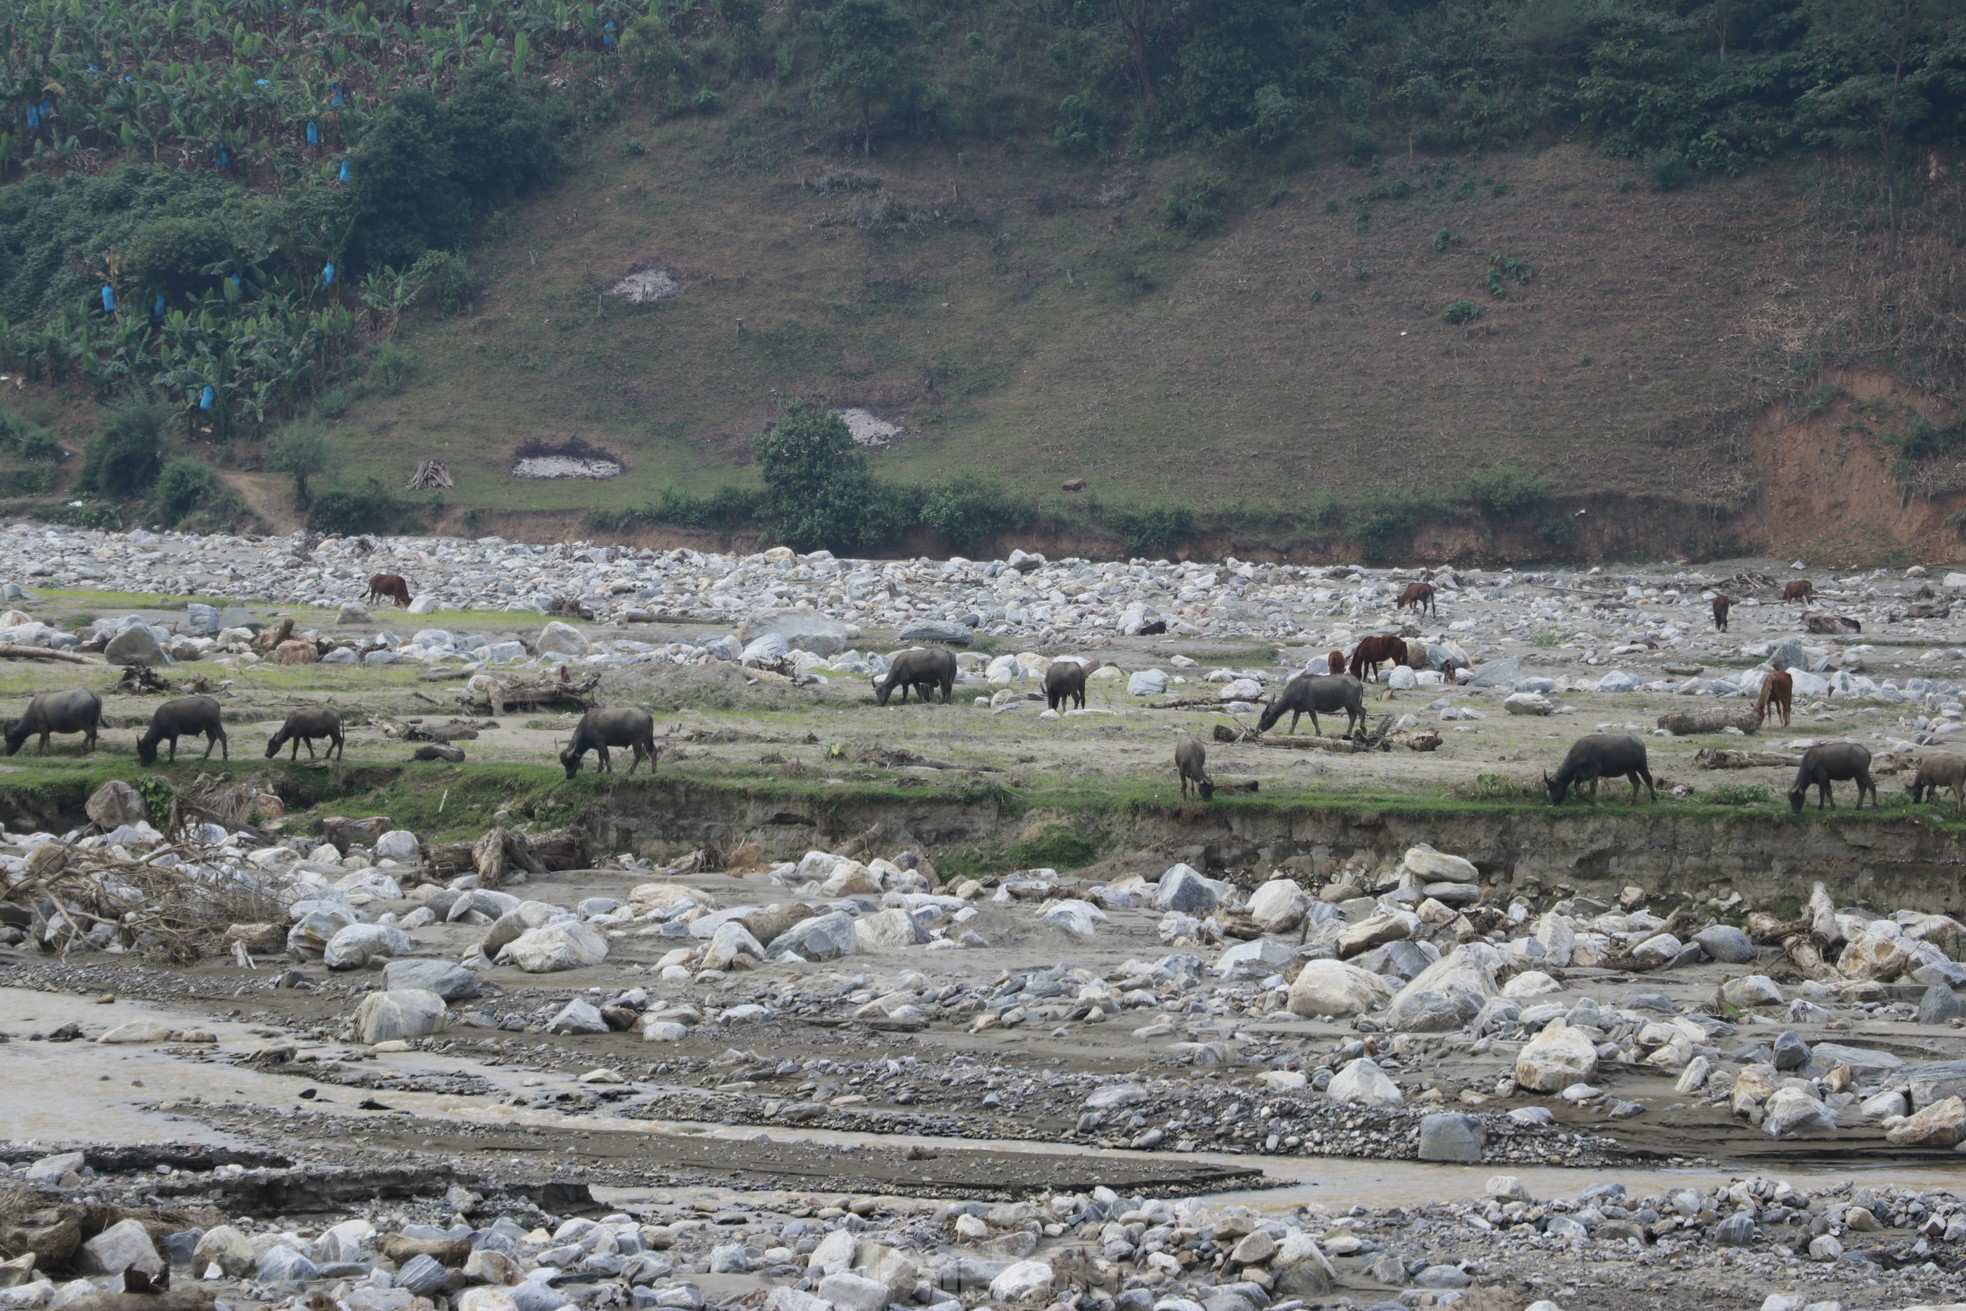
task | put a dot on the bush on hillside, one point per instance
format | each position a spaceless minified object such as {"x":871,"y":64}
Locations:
{"x":125,"y":459}
{"x":971,"y":508}
{"x":184,"y":486}
{"x":1505,"y":491}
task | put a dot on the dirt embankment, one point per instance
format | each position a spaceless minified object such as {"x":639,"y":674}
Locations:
{"x":1764,"y":857}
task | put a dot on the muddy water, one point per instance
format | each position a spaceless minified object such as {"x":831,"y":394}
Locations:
{"x":144,"y":1093}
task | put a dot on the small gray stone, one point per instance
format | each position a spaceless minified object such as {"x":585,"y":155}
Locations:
{"x":578,"y":1016}
{"x":451,"y":982}
{"x":283,"y":1265}
{"x":1726,"y":944}
{"x":135,"y":645}
{"x":1791,"y":1053}
{"x":1735,"y":1231}
{"x":422,"y":1275}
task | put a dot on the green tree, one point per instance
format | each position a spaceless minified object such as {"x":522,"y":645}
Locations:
{"x":866,"y":46}
{"x":124,"y":461}
{"x":301,"y":451}
{"x":819,"y":491}
{"x":969,"y":509}
{"x":1878,"y":64}
{"x":184,"y":486}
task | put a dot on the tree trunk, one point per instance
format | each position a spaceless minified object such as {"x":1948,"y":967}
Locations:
{"x":1133,"y":21}
{"x":1680,"y":723}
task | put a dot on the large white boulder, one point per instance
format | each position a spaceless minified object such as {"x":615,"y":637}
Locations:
{"x":822,"y":937}
{"x":565,"y":945}
{"x":402,"y":1013}
{"x":1278,"y":906}
{"x":561,"y":639}
{"x":1449,"y":992}
{"x":1363,"y":1083}
{"x":1329,"y":987}
{"x":1555,"y":1058}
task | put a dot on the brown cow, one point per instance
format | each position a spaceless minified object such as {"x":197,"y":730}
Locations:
{"x":1334,"y":662}
{"x":389,"y":585}
{"x":1777,"y":690}
{"x":1375,"y":651}
{"x":1420,"y":596}
{"x":1721,"y":605}
{"x":1799,"y":589}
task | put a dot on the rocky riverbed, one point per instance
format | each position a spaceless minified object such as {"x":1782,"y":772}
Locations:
{"x":364,"y":1065}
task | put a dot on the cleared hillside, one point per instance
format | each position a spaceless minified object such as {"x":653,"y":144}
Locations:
{"x":1043,"y":322}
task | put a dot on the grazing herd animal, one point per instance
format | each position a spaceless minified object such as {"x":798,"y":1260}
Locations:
{"x":1936,"y":773}
{"x":308,"y":726}
{"x":392,"y":586}
{"x":74,"y":711}
{"x":1190,"y":758}
{"x":1798,"y":589}
{"x":1601,"y":755}
{"x":1307,"y":694}
{"x":1420,"y":596}
{"x":1832,"y":762}
{"x":924,"y":669}
{"x":1064,"y":680}
{"x":1777,"y":692}
{"x":1721,"y":605}
{"x":620,"y":726}
{"x":1369,"y":654}
{"x":190,"y":716}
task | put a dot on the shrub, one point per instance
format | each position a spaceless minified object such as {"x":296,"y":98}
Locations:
{"x":969,"y":509}
{"x":1360,"y":145}
{"x":124,"y":461}
{"x":1195,"y":206}
{"x":1151,"y":530}
{"x":351,"y":510}
{"x":1556,"y":532}
{"x":301,"y":451}
{"x":819,"y":491}
{"x":1323,"y":511}
{"x":1461,"y":311}
{"x":1505,"y":491}
{"x":29,"y":441}
{"x":184,"y":486}
{"x":1382,"y":522}
{"x":1738,"y":794}
{"x":1080,"y":129}
{"x":1446,"y":239}
{"x":1502,"y":268}
{"x":1669,"y":170}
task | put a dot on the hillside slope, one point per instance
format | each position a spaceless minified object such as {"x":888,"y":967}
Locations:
{"x":1042,"y":322}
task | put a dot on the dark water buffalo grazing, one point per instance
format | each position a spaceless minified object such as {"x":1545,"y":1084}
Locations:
{"x":1936,"y":773}
{"x":622,"y":726}
{"x":924,"y":669}
{"x":1155,"y":629}
{"x":1832,"y":762}
{"x":190,"y":716}
{"x":392,"y":586}
{"x":1601,"y":755}
{"x":1721,"y":605}
{"x":1307,"y":694}
{"x":1420,"y":596}
{"x":77,"y":710}
{"x":1064,"y":680}
{"x":1799,"y":589}
{"x":1778,"y":693}
{"x":1375,"y":651}
{"x":306,"y":726}
{"x":1190,"y":758}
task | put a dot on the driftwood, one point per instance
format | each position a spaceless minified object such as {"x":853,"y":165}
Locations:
{"x":536,"y":694}
{"x":14,"y":651}
{"x":439,"y":751}
{"x":185,"y":1301}
{"x":560,"y":848}
{"x":1801,"y":948}
{"x":500,"y":850}
{"x":1926,"y":610}
{"x":1830,"y":625}
{"x":1378,"y":739}
{"x":343,"y":832}
{"x":1727,"y":758}
{"x":429,"y":474}
{"x":1681,"y":723}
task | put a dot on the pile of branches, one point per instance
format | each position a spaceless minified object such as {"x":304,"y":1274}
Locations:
{"x":178,"y":913}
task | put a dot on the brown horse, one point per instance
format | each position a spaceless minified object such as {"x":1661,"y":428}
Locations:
{"x":1334,"y":663}
{"x":391,"y":586}
{"x":1420,"y":596}
{"x":1375,"y":651}
{"x":1721,"y":605}
{"x":1777,"y":690}
{"x":1800,"y":589}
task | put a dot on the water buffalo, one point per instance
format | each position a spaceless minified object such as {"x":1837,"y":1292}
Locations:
{"x":305,"y":726}
{"x":1799,"y":589}
{"x":189,"y":717}
{"x":1375,"y":651}
{"x":1190,"y":757}
{"x":1420,"y":596}
{"x":1778,"y":692}
{"x":1307,"y":694}
{"x":1721,"y":605}
{"x":1937,"y":773}
{"x":1832,"y":762}
{"x":392,"y":586}
{"x":1064,"y":681}
{"x":623,"y":726}
{"x":1601,"y":755}
{"x":923,"y":668}
{"x":77,"y":710}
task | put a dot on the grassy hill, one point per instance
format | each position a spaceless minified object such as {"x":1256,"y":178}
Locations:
{"x":1042,"y":321}
{"x":1299,"y":268}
